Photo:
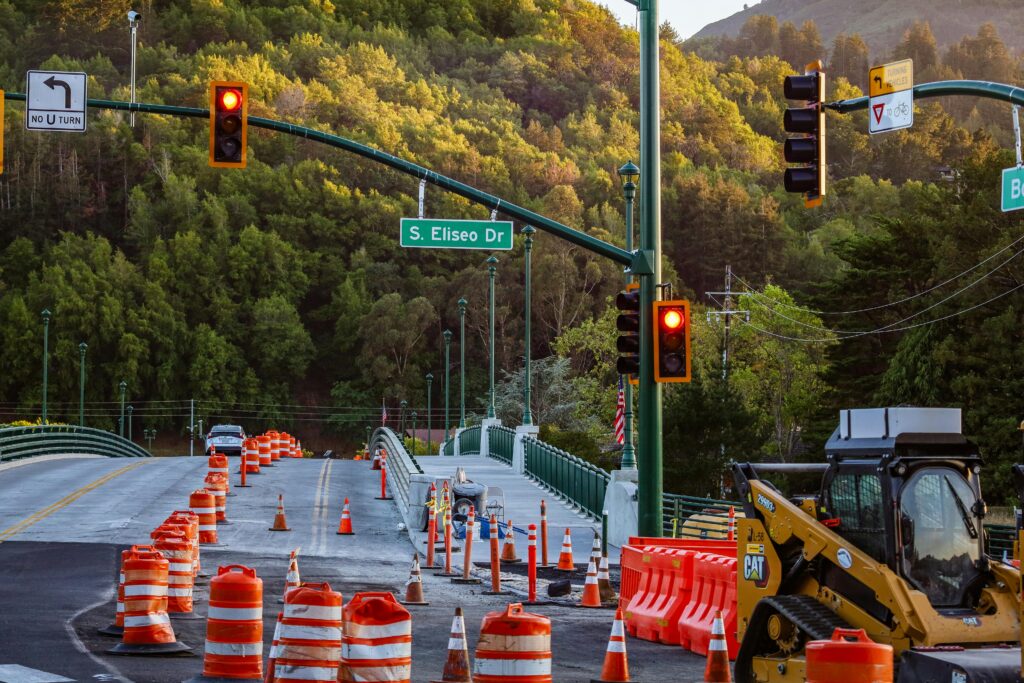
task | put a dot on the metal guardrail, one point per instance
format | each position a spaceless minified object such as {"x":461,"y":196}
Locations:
{"x":574,"y":480}
{"x":25,"y":442}
{"x":500,"y":442}
{"x":469,"y":441}
{"x":448,"y":448}
{"x":401,"y":466}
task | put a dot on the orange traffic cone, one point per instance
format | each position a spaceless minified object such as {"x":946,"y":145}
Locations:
{"x":280,"y":523}
{"x":508,"y":551}
{"x":291,"y":579}
{"x":604,"y":581}
{"x":616,"y":664}
{"x":345,"y":525}
{"x":275,"y":645}
{"x":717,"y":668}
{"x":414,"y":586}
{"x":456,"y":668}
{"x":565,"y":562}
{"x":591,"y":593}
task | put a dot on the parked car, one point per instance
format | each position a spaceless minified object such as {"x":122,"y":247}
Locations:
{"x":226,"y":439}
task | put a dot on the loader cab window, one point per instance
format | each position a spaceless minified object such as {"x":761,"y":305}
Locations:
{"x":856,"y":499}
{"x":940,"y":534}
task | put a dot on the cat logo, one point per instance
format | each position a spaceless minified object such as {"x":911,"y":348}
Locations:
{"x":755,"y":569}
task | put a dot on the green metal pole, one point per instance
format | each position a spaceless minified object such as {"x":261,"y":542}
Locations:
{"x":401,"y":419}
{"x":492,"y":268}
{"x":650,"y":453}
{"x":413,"y":432}
{"x":447,"y":370}
{"x":430,"y":382}
{"x":120,"y":427}
{"x":368,"y":430}
{"x":81,"y":383}
{"x":462,"y":363}
{"x":131,"y":409}
{"x":527,"y":305}
{"x":628,"y":461}
{"x":46,"y":358}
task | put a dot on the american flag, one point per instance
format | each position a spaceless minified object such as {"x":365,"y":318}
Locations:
{"x":620,"y":415}
{"x":383,"y":414}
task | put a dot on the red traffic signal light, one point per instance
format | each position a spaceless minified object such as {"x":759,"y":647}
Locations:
{"x":672,"y":341}
{"x":228,"y":124}
{"x":808,"y":121}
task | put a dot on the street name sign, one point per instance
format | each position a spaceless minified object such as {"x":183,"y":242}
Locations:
{"x":891,"y":90}
{"x":447,"y":233}
{"x":56,"y":101}
{"x":1013,"y":188}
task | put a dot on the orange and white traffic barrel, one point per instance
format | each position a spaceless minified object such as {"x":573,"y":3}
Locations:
{"x":251,"y":456}
{"x":217,"y":464}
{"x":377,"y":645}
{"x":173,"y":544}
{"x":217,"y":484}
{"x":188,"y":521}
{"x":275,"y":446}
{"x":204,"y":504}
{"x":309,"y":647}
{"x":116,"y":628}
{"x":514,"y":647}
{"x":147,"y":627}
{"x":263,"y":448}
{"x":234,"y":627}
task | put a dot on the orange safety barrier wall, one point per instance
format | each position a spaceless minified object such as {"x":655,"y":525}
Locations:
{"x":665,"y":586}
{"x":714,"y":589}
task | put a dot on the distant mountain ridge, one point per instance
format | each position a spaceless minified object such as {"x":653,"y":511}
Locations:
{"x":881,"y":23}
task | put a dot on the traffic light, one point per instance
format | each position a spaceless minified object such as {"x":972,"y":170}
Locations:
{"x":628,"y":325}
{"x":809,"y":121}
{"x":229,"y":110}
{"x":672,"y":341}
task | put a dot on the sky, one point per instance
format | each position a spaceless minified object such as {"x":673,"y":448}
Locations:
{"x":686,"y":16}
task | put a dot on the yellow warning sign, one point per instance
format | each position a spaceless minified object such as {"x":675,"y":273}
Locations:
{"x":889,"y":78}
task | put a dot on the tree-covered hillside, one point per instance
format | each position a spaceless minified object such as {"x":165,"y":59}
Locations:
{"x":263,"y":291}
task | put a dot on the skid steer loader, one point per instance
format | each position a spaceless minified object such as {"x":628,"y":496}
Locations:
{"x":892,"y":542}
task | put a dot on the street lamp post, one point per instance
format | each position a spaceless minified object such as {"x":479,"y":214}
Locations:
{"x":413,"y":417}
{"x":492,"y":268}
{"x":401,"y":419}
{"x":131,"y":409}
{"x":447,"y":368}
{"x":527,"y":305}
{"x":120,"y":427}
{"x":150,"y":434}
{"x":462,"y":363}
{"x":430,"y":382}
{"x":649,"y":454}
{"x":629,"y":173}
{"x":46,"y":358}
{"x":81,"y":383}
{"x":368,"y":430}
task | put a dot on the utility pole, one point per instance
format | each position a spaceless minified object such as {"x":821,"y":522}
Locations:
{"x":727,"y":312}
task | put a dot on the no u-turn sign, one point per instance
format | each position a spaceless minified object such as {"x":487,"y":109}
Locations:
{"x":56,"y":100}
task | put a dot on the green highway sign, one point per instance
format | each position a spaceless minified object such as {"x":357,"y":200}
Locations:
{"x":1013,"y":188}
{"x":446,"y":233}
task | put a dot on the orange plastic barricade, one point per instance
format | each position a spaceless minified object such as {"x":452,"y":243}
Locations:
{"x":173,"y":544}
{"x":204,"y":504}
{"x":377,"y":645}
{"x":859,"y":660}
{"x":718,"y":547}
{"x":218,"y":464}
{"x":263,"y":447}
{"x":251,"y":456}
{"x":514,"y":647}
{"x":217,"y":484}
{"x":714,"y":589}
{"x":187,"y":521}
{"x":663,"y":592}
{"x":275,"y":446}
{"x":309,"y":647}
{"x":234,"y":627}
{"x":147,"y":628}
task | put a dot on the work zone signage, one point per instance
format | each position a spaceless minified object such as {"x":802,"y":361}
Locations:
{"x":446,"y":233}
{"x":56,"y":100}
{"x":891,"y":104}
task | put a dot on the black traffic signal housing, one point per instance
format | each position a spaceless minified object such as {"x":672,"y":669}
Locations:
{"x":229,"y":111}
{"x":809,"y":121}
{"x":671,"y":341}
{"x":628,"y":325}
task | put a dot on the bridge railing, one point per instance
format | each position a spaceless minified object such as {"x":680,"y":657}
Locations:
{"x":27,"y":442}
{"x":448,"y":447}
{"x":469,"y":441}
{"x":400,"y":464}
{"x":574,"y":480}
{"x":500,"y":442}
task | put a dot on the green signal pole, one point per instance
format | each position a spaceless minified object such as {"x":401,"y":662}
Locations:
{"x":527,"y":305}
{"x":649,"y":451}
{"x":46,"y":358}
{"x":492,"y":268}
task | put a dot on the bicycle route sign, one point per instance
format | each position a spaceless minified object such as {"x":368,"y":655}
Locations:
{"x":891,"y":103}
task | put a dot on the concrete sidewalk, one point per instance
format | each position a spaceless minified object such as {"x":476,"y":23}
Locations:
{"x":522,"y":507}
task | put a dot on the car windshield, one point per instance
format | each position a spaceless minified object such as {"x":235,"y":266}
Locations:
{"x":226,"y":432}
{"x":940,"y":536}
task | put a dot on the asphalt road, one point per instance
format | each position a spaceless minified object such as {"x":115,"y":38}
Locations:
{"x":64,"y":522}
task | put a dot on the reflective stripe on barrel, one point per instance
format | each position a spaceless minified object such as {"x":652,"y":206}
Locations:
{"x":514,"y":647}
{"x":309,"y":642}
{"x":145,"y":598}
{"x":203,"y":503}
{"x":234,"y":627}
{"x":263,"y":447}
{"x":377,"y":645}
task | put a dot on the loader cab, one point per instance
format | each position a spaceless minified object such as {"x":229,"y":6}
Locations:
{"x":912,"y":501}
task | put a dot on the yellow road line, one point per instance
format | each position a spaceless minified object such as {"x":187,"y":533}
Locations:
{"x":65,"y":501}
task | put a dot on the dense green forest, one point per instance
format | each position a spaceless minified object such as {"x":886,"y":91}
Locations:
{"x":277,"y":291}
